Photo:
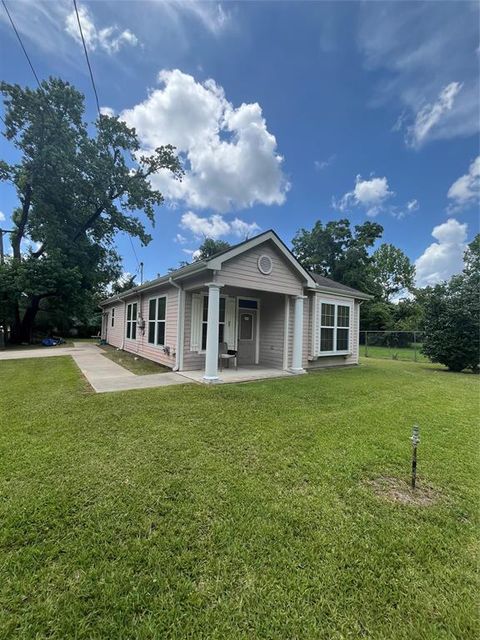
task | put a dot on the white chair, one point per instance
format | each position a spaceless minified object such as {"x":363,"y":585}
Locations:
{"x":224,"y":356}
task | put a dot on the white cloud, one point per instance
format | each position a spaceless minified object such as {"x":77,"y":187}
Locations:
{"x":216,"y":226}
{"x":412,"y":205}
{"x":180,"y":239}
{"x":466,"y":190}
{"x":430,"y":115}
{"x":231,"y":158}
{"x":424,"y":49}
{"x":371,"y":195}
{"x":110,"y":39}
{"x":320,"y":165}
{"x":443,"y":258}
{"x":2,"y":216}
{"x":107,"y":111}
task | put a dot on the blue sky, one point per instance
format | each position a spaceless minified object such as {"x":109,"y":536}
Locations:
{"x":284,"y":113}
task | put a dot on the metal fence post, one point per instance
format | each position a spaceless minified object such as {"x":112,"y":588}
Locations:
{"x":366,"y":344}
{"x":415,"y":345}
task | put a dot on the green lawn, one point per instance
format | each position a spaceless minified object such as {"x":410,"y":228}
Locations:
{"x":135,"y":364}
{"x":238,"y":511}
{"x":393,"y":353}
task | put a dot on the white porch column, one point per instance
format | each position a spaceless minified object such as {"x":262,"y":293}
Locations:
{"x":297,"y":336}
{"x":211,"y":357}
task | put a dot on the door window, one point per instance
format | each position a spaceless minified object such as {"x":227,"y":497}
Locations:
{"x":246,"y":326}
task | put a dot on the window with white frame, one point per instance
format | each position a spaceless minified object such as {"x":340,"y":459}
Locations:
{"x":334,"y":327}
{"x":132,"y":321}
{"x":221,"y":322}
{"x":113,"y":316}
{"x":157,"y":308}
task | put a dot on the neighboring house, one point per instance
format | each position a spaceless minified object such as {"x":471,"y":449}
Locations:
{"x":255,"y":297}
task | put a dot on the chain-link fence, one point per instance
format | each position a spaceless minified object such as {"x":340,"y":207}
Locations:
{"x":392,"y":345}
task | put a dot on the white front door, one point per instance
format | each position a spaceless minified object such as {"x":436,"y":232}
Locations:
{"x":247,"y":336}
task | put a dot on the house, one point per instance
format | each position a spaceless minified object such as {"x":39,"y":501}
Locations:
{"x":255,"y":297}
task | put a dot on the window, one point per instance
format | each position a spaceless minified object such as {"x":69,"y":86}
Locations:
{"x":246,"y":326}
{"x":221,"y":322}
{"x":132,"y":321}
{"x":113,"y":317}
{"x":334,"y":327}
{"x":156,"y":320}
{"x":247,"y":304}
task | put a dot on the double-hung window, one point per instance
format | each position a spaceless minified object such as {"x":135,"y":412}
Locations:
{"x":221,"y":322}
{"x":132,"y":321}
{"x":334,"y":328}
{"x":156,"y":321}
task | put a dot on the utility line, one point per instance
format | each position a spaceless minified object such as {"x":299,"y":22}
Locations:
{"x":21,"y":43}
{"x":86,"y":56}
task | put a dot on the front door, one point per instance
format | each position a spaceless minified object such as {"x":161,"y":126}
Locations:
{"x":247,"y":336}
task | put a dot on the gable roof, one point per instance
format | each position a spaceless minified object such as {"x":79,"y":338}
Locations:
{"x":312,"y":280}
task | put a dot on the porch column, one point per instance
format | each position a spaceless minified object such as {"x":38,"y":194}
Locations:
{"x":211,"y":356}
{"x":297,"y":336}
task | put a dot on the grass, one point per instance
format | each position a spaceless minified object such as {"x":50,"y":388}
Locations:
{"x":393,"y":353}
{"x":136,"y":364}
{"x":238,"y":511}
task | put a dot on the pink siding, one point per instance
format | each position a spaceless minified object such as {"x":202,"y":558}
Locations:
{"x":116,"y":336}
{"x":242,"y":271}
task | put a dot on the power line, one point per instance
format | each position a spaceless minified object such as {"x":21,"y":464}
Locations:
{"x":134,"y":252}
{"x":86,"y":56}
{"x":21,"y":43}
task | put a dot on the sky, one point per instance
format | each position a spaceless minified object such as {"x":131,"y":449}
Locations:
{"x":283,"y":113}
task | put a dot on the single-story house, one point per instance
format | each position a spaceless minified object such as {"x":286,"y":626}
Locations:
{"x":254,"y":298}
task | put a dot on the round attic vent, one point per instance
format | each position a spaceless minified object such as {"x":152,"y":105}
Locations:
{"x":265,"y":265}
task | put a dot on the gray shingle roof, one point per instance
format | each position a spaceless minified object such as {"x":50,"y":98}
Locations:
{"x":327,"y":283}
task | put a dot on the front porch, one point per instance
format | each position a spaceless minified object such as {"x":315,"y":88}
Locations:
{"x":242,"y":374}
{"x":264,"y":328}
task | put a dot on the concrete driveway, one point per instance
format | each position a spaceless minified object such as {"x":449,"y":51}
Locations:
{"x":102,"y":374}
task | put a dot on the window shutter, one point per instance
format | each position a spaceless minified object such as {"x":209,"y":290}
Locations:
{"x":230,"y":322}
{"x":316,"y":324}
{"x":196,"y":322}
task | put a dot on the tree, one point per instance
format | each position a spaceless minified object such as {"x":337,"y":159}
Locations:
{"x":334,"y":251}
{"x":392,"y":271}
{"x":124,"y":283}
{"x":75,"y":192}
{"x":209,"y":247}
{"x":452,"y":317}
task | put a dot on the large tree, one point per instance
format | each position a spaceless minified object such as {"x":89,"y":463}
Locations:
{"x":76,"y":190}
{"x":452,"y":317}
{"x":333,"y":250}
{"x":392,"y":271}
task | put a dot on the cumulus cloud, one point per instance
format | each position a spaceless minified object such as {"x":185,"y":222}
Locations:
{"x":371,"y":195}
{"x":430,"y":115}
{"x":2,"y":216}
{"x":231,"y":158}
{"x":442,"y":258}
{"x":466,"y":190}
{"x":110,"y":39}
{"x":216,"y":226}
{"x":426,"y":53}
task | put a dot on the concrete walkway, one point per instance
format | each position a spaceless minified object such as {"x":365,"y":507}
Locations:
{"x":102,"y":374}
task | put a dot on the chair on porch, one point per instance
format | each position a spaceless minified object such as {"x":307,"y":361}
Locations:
{"x":224,"y":355}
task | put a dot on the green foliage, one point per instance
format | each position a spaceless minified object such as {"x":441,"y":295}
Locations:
{"x":123,"y":284}
{"x":392,"y":271}
{"x":210,"y":247}
{"x":76,"y":191}
{"x":452,"y":318}
{"x":332,"y":250}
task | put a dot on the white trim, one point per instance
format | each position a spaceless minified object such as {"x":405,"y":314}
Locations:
{"x":317,"y":311}
{"x":257,"y":337}
{"x":265,"y":272}
{"x":286,"y":329}
{"x":216,"y":263}
{"x":128,"y":304}
{"x":154,"y":344}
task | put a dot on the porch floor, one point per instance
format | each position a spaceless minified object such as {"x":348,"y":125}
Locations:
{"x":243,"y":374}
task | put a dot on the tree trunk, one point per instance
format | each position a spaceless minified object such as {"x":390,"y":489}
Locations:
{"x":22,"y":328}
